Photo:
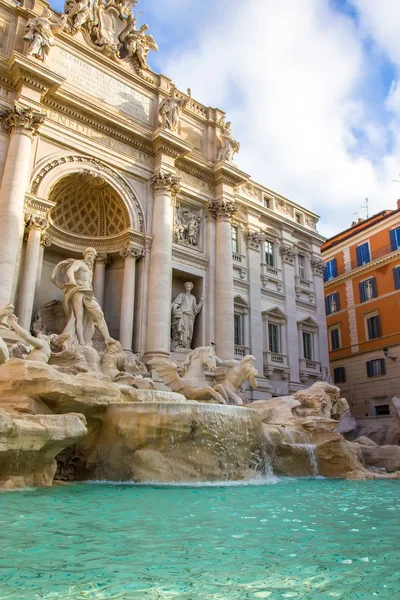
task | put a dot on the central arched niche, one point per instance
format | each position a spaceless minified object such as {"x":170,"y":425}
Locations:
{"x":87,"y":205}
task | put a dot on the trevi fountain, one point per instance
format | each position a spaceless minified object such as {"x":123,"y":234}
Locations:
{"x":145,"y":448}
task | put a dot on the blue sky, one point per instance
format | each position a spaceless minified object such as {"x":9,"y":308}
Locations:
{"x":311,"y":87}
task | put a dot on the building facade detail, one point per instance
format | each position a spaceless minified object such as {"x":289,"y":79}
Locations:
{"x":148,"y":201}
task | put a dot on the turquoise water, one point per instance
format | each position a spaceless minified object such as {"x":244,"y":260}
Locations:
{"x":301,"y":539}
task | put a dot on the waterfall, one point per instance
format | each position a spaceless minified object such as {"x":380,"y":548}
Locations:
{"x":312,"y":457}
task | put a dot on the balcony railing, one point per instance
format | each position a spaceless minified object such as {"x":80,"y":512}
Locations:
{"x":274,"y":361}
{"x":236,"y":257}
{"x":309,"y":368}
{"x":241,"y":351}
{"x":273,"y":272}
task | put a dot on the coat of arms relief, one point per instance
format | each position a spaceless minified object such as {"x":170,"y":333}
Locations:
{"x":109,"y":24}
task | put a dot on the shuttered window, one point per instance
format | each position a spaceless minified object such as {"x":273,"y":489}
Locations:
{"x":274,"y":338}
{"x":396,"y":277}
{"x":339,"y":375}
{"x":332,"y":303}
{"x":395,"y":239}
{"x":377,"y":367}
{"x":331,"y":270}
{"x":335,"y":338}
{"x":374,"y":327}
{"x":363,"y":254}
{"x":368,"y":289}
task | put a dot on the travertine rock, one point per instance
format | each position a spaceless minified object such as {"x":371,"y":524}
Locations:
{"x":387,"y":457}
{"x":178,"y":442}
{"x":30,"y":443}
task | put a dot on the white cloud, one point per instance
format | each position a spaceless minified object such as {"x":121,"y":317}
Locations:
{"x":290,"y":76}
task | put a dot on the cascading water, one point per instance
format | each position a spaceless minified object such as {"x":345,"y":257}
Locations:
{"x":309,"y":449}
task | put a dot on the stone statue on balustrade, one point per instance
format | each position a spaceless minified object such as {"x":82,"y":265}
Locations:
{"x":78,"y":13}
{"x":237,"y":373}
{"x":74,"y":277}
{"x":171,"y":108}
{"x":184,"y":311}
{"x":39,"y":33}
{"x":230,"y":146}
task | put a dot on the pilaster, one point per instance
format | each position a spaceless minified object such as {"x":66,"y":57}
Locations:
{"x":288,"y":254}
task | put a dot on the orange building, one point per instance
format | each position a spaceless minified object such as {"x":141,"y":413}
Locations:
{"x":362,"y":303}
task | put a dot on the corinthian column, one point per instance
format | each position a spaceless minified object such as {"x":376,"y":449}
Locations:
{"x":165,"y":186}
{"x":23,"y":124}
{"x":130,"y":254}
{"x":35,"y":227}
{"x":224,"y":324}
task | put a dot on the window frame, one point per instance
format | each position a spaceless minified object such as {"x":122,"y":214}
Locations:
{"x":278,"y":338}
{"x":335,"y":329}
{"x":238,"y":317}
{"x":360,"y":261}
{"x":329,"y":310}
{"x":394,"y":236}
{"x":371,"y":363}
{"x":331,"y":270}
{"x":310,"y":336}
{"x":235,"y":239}
{"x":268,"y":255}
{"x":363,"y":290}
{"x":342,"y":371}
{"x":302,"y":266}
{"x":396,"y":277}
{"x":373,"y":327}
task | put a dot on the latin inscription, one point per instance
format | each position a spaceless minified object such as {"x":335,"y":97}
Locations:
{"x":91,"y":80}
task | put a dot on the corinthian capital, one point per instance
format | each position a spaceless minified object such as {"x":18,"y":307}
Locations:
{"x":288,"y":254}
{"x":36,"y":222}
{"x":20,"y":119}
{"x":166,"y":182}
{"x":131,"y":251}
{"x":222,"y":209}
{"x":255,"y":240}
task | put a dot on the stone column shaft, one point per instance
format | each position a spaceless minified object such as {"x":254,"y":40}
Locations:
{"x":224,"y":321}
{"x":99,"y":278}
{"x":23,"y":124}
{"x":130,"y":254}
{"x":26,"y":293}
{"x":159,"y":303}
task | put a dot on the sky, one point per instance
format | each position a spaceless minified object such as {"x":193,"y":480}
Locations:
{"x":312,"y":88}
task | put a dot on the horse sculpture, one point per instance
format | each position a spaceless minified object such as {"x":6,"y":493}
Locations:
{"x":192,"y":383}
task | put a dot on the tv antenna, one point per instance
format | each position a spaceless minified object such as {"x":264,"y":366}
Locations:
{"x":366,"y":206}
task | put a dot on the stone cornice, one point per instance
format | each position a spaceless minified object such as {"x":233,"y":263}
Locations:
{"x":388,"y":258}
{"x":186,"y":257}
{"x":228,"y":174}
{"x":169,"y":143}
{"x":31,"y":72}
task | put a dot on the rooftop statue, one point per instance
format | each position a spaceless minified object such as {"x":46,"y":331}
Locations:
{"x":230,"y":146}
{"x":74,"y":277}
{"x":78,"y":13}
{"x":184,"y":311}
{"x":238,"y":372}
{"x":39,"y":33}
{"x":171,"y":108}
{"x":192,"y":383}
{"x":138,"y":44}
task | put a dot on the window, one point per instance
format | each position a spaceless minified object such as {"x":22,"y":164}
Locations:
{"x":274,"y":338}
{"x":395,"y":239}
{"x":332,"y":303}
{"x":396,"y":276}
{"x":376,"y":367}
{"x":307,"y":345}
{"x":238,"y":324}
{"x":235,"y":245}
{"x":267,"y":202}
{"x":334,"y":335}
{"x":382,"y":410}
{"x":363,"y":254}
{"x":374,"y":327}
{"x":331,"y":270}
{"x":269,"y":254}
{"x":339,"y":375}
{"x":299,"y":218}
{"x":301,"y":261}
{"x":368,"y":289}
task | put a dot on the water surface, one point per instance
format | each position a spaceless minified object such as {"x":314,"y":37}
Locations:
{"x":301,"y":539}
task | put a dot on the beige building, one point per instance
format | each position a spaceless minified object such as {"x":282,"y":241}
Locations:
{"x":97,"y":150}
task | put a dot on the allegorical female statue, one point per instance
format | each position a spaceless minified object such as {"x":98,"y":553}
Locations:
{"x":75,"y":277}
{"x":184,"y":311}
{"x":39,"y":33}
{"x":230,"y":146}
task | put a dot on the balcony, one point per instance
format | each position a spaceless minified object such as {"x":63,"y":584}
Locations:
{"x":237,"y":258}
{"x":303,"y":284}
{"x":241,"y":351}
{"x":274,"y":361}
{"x":309,"y":368}
{"x":376,"y":254}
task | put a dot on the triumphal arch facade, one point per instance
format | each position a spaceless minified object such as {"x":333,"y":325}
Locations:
{"x":98,"y":151}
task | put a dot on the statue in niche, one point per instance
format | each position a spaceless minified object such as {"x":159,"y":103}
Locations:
{"x":237,"y":373}
{"x":171,"y":108}
{"x":187,"y":227}
{"x":75,"y":277}
{"x":78,"y":13}
{"x":184,"y":311}
{"x":39,"y":33}
{"x":40,"y":350}
{"x":230,"y":145}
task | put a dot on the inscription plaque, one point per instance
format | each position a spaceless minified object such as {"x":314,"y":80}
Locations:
{"x":95,"y":82}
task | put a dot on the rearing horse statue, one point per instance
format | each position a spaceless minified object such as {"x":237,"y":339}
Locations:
{"x":192,"y":383}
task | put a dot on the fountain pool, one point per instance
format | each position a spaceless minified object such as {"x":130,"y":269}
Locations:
{"x":310,"y":539}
